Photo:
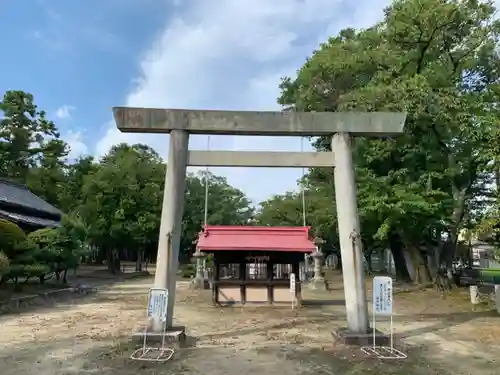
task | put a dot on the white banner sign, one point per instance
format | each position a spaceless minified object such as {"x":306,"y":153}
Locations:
{"x":382,"y":295}
{"x":292,"y":283}
{"x":157,"y":303}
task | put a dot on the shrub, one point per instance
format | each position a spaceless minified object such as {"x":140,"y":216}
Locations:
{"x":4,"y":264}
{"x":188,"y":270}
{"x":10,"y":236}
{"x":27,"y":261}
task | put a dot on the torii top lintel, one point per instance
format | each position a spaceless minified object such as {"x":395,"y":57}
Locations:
{"x":272,"y":123}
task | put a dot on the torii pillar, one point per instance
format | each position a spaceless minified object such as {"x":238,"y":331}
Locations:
{"x":340,"y":126}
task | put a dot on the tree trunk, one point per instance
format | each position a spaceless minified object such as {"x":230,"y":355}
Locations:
{"x":101,"y":256}
{"x":138,"y":261}
{"x":368,"y":258}
{"x":421,"y":274}
{"x":396,"y":247}
{"x":117,"y":262}
{"x":65,"y":274}
{"x":110,"y":260}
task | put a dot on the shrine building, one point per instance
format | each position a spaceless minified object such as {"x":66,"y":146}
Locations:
{"x":252,"y":264}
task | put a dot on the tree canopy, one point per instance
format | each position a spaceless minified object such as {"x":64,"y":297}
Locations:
{"x":112,"y":205}
{"x":436,"y":60}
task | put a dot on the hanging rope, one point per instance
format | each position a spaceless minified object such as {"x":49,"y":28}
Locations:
{"x":205,"y":219}
{"x":304,"y":221}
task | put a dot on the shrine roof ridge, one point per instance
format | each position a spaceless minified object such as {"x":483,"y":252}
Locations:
{"x":255,"y":238}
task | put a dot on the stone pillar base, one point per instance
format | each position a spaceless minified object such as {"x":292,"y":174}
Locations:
{"x":174,"y":335}
{"x":497,"y":297}
{"x":346,"y":337}
{"x":317,"y":284}
{"x":199,"y":284}
{"x":474,"y":294}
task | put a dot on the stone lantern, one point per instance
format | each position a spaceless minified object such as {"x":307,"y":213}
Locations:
{"x":199,"y":280}
{"x":318,"y":281}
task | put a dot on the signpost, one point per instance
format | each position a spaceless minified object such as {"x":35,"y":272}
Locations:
{"x":383,"y":306}
{"x":292,"y":289}
{"x":157,"y":309}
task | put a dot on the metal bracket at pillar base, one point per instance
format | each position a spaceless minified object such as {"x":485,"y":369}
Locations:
{"x":346,"y":337}
{"x":173,"y":335}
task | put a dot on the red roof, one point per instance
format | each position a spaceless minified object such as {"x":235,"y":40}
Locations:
{"x":250,"y":238}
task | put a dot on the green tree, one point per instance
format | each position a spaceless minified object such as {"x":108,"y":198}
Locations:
{"x":47,"y":178}
{"x":61,"y":248}
{"x":122,"y":201}
{"x":226,"y":205}
{"x":70,"y":193}
{"x":4,"y":264}
{"x":22,"y":255}
{"x":437,"y":60}
{"x":26,"y":136}
{"x":319,"y":207}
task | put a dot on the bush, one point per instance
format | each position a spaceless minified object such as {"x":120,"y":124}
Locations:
{"x":188,"y":271}
{"x":26,"y":261}
{"x":44,"y":237}
{"x":4,"y":264}
{"x":10,"y":236}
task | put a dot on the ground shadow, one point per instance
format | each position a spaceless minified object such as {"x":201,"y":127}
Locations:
{"x":75,"y":297}
{"x":113,"y":356}
{"x":444,"y":321}
{"x":322,"y":302}
{"x":290,"y":323}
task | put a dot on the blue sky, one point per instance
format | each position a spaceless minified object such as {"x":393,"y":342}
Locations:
{"x":79,"y":59}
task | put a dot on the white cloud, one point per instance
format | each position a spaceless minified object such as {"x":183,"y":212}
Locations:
{"x":226,"y":54}
{"x":77,"y":145}
{"x":64,"y":112}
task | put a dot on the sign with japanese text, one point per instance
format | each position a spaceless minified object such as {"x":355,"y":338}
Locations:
{"x":257,"y":259}
{"x":292,"y":283}
{"x":157,"y":303}
{"x":382,"y":295}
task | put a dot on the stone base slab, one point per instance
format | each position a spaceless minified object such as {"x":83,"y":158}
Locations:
{"x":344,"y":336}
{"x":317,"y":284}
{"x":200,"y":284}
{"x":174,"y":335}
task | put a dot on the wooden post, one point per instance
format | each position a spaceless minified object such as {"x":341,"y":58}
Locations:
{"x":242,"y":277}
{"x":298,"y":294}
{"x":270,"y":288}
{"x":215,"y":281}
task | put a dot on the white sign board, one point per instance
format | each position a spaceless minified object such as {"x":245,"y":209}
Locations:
{"x":292,"y":283}
{"x":157,"y":303}
{"x":382,"y":295}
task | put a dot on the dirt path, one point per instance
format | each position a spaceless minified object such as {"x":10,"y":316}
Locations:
{"x":91,"y":336}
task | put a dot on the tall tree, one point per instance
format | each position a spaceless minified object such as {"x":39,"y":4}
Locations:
{"x":122,"y":201}
{"x":437,"y":60}
{"x":27,"y":137}
{"x":225,"y":205}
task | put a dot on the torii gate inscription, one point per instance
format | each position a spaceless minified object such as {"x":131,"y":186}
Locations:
{"x":340,"y":126}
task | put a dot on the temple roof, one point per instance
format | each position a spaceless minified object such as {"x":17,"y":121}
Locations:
{"x":253,"y":238}
{"x":20,"y":205}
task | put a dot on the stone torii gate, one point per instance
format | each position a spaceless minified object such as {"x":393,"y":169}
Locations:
{"x":180,"y":123}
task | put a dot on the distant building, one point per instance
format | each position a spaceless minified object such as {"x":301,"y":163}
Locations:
{"x":483,"y":252}
{"x":19,"y":205}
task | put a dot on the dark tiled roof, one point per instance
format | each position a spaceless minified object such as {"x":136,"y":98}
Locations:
{"x":30,"y":220}
{"x":19,"y":195}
